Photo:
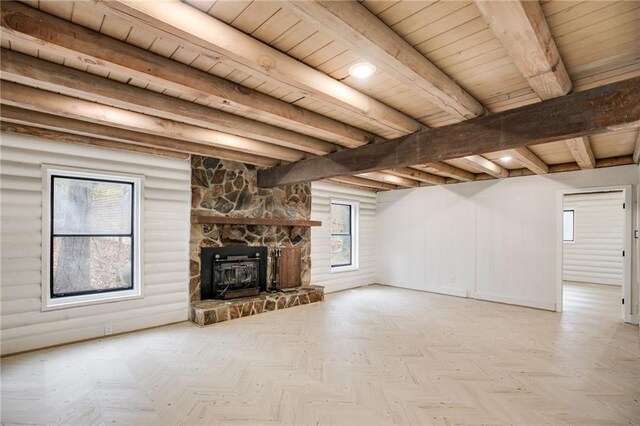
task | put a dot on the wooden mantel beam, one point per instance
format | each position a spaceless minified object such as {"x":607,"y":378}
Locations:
{"x":593,"y":111}
{"x":57,"y":36}
{"x":522,"y":28}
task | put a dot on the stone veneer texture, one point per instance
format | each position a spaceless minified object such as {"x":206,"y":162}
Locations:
{"x":207,"y":312}
{"x":228,"y":188}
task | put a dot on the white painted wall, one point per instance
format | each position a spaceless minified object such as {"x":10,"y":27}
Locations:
{"x":494,"y":240}
{"x":596,"y":254}
{"x":322,"y":194}
{"x":166,"y":244}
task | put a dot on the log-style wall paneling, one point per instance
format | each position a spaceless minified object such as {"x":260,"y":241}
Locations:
{"x":321,"y":196}
{"x":368,"y":36}
{"x":598,"y":110}
{"x":524,"y":32}
{"x":636,"y":149}
{"x":10,"y":114}
{"x":59,"y":37}
{"x":204,"y":34}
{"x":165,"y":203}
{"x":35,"y":72}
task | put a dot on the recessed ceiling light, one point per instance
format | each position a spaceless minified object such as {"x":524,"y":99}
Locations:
{"x":362,"y":69}
{"x":506,"y":158}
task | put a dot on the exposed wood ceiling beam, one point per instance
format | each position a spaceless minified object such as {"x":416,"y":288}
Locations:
{"x":54,"y":135}
{"x":391,"y":179}
{"x":39,"y":100}
{"x":636,"y":149}
{"x":204,"y":34}
{"x":352,"y":185}
{"x":524,"y":32}
{"x":570,"y":167}
{"x":593,"y":111}
{"x":581,"y":150}
{"x":27,"y":70}
{"x":527,"y":158}
{"x":360,"y":30}
{"x":10,"y":114}
{"x":57,"y":36}
{"x":358,"y":181}
{"x":419,"y":175}
{"x":35,"y":72}
{"x":447,"y":170}
{"x":486,"y":166}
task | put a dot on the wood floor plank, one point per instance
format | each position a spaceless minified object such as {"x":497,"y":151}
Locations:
{"x":375,"y":355}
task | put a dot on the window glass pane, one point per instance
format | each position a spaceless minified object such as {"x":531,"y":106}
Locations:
{"x":91,"y":207}
{"x":340,"y":250}
{"x":567,"y":225}
{"x":83,"y":264}
{"x":340,"y":219}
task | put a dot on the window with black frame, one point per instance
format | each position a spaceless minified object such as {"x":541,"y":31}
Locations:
{"x":92,"y":236}
{"x":341,"y":235}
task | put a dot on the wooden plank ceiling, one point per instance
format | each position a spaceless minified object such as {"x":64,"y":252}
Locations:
{"x":268,"y":82}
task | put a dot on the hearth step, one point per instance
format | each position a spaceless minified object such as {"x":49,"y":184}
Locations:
{"x":207,"y":312}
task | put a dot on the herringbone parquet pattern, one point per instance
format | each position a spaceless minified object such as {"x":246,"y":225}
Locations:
{"x":371,"y":356}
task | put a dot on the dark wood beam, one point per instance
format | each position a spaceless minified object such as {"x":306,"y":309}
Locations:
{"x":593,"y":111}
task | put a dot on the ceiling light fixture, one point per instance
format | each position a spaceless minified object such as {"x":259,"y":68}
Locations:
{"x":362,"y":70}
{"x":506,"y":158}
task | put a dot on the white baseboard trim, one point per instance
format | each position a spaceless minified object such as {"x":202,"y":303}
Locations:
{"x":548,"y":306}
{"x":458,"y":292}
{"x":333,"y":288}
{"x":634,"y":319}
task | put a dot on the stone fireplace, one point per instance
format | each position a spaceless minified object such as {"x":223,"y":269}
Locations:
{"x":234,"y":219}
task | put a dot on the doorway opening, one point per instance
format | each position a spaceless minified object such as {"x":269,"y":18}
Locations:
{"x":595,"y":275}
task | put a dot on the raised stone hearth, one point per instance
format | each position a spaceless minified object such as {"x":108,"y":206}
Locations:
{"x":207,"y":312}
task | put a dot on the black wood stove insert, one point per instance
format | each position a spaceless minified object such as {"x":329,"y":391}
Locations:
{"x":231,"y":272}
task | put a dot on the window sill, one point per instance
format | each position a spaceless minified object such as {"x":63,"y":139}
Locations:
{"x":339,"y":269}
{"x":89,"y":299}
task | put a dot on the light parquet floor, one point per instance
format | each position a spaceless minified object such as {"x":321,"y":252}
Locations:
{"x":370,"y":356}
